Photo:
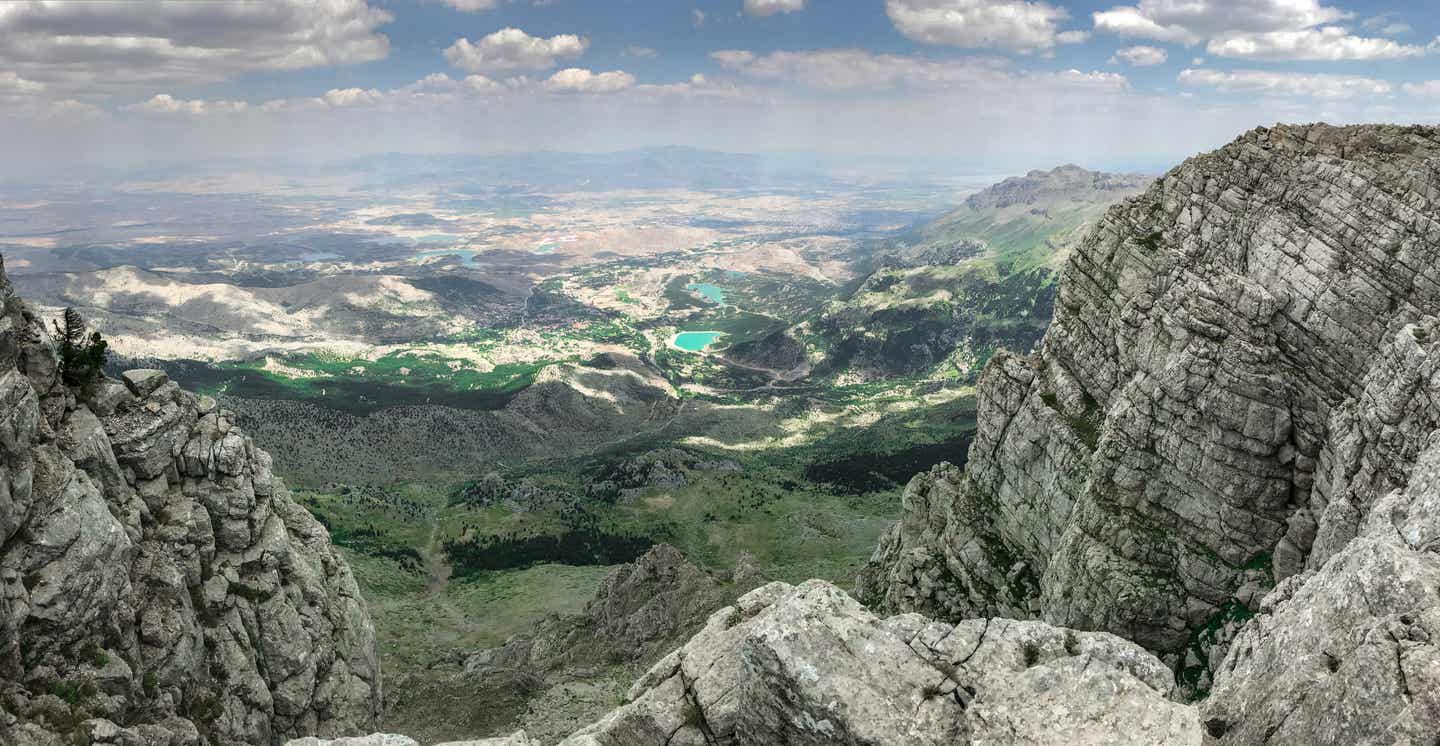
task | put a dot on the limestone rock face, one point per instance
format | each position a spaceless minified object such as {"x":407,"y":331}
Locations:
{"x":1235,"y":374}
{"x":1349,"y":650}
{"x":809,"y":665}
{"x":155,"y":573}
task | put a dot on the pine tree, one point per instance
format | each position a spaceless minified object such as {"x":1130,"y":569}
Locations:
{"x":81,"y":357}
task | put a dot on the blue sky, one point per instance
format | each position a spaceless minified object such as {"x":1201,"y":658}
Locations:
{"x":1127,"y":82}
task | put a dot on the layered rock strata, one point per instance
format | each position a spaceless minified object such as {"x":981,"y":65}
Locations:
{"x":1238,"y":376}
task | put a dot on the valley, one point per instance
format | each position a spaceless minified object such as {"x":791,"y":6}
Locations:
{"x":492,"y":393}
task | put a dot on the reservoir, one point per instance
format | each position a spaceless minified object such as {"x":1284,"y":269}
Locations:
{"x":695,"y":341}
{"x":712,"y":293}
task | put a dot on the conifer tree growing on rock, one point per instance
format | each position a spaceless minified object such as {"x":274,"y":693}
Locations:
{"x":81,"y":357}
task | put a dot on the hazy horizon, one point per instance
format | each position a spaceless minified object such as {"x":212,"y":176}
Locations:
{"x":105,"y":84}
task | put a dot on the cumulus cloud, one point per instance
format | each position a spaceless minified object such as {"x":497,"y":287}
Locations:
{"x":771,"y":7}
{"x":164,"y":103}
{"x":1141,"y":56}
{"x":1331,"y":43}
{"x":578,"y":80}
{"x":646,"y":53}
{"x":97,"y":47}
{"x":338,"y":97}
{"x":1015,"y":25}
{"x":513,"y":49}
{"x":1254,"y":29}
{"x":1318,"y":85}
{"x":1191,"y":21}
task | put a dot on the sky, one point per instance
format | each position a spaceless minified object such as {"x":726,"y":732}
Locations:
{"x":1009,"y":83}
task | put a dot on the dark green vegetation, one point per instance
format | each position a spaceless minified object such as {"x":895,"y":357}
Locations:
{"x":880,"y":471}
{"x":463,"y":566}
{"x":904,"y":321}
{"x":82,"y":356}
{"x":359,"y":386}
{"x":583,"y":541}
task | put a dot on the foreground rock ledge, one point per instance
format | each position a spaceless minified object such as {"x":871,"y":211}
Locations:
{"x":808,"y":665}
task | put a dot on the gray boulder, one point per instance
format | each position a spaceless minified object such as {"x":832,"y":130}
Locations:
{"x":809,"y":665}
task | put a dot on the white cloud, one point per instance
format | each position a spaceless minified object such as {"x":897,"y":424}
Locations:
{"x":844,"y":69}
{"x":94,"y":47}
{"x":697,"y":18}
{"x":1330,"y":43}
{"x":1277,"y":30}
{"x":1142,"y":56}
{"x":471,"y":6}
{"x":1015,"y":25}
{"x":513,"y":49}
{"x":645,"y":53}
{"x":1191,"y":21}
{"x":1127,"y":21}
{"x":771,"y":7}
{"x":164,"y":103}
{"x":1285,"y":83}
{"x":482,"y":84}
{"x":339,"y":97}
{"x":1072,"y":37}
{"x":577,"y":80}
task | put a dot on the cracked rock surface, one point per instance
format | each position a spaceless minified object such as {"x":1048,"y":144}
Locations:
{"x":1346,"y":652}
{"x":1237,"y":372}
{"x":157,"y":584}
{"x":809,"y":665}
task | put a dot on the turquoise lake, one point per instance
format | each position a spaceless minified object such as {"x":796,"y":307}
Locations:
{"x":695,"y":341}
{"x":712,"y":293}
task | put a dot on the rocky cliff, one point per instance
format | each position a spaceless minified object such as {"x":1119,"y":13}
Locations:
{"x":1235,"y":392}
{"x":157,"y":584}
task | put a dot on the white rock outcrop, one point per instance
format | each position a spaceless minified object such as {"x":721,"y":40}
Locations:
{"x":809,"y":665}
